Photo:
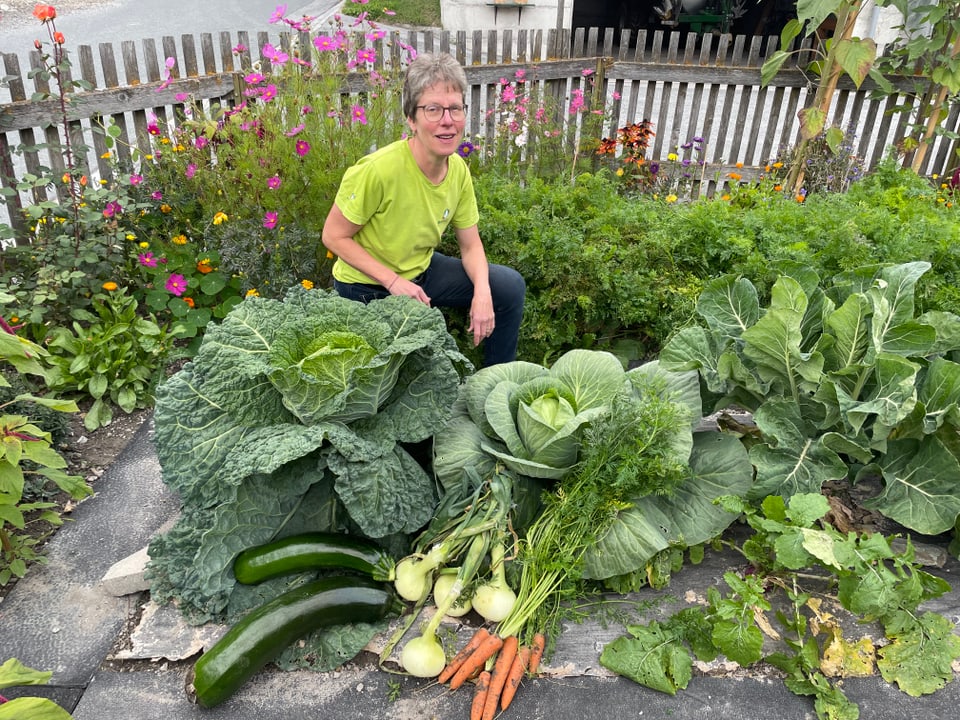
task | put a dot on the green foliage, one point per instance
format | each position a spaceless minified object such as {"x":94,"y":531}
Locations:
{"x":13,"y":673}
{"x":293,"y":415}
{"x":874,"y":582}
{"x":28,"y":458}
{"x":113,"y":355}
{"x":417,"y":13}
{"x":842,"y":381}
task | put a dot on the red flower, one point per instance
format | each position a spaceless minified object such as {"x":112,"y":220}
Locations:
{"x":44,"y":13}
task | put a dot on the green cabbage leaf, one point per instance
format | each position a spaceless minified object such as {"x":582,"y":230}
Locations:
{"x":297,"y":415}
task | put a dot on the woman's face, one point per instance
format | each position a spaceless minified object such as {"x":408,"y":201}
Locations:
{"x":439,"y":137}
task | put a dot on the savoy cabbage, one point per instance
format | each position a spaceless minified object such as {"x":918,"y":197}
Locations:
{"x":295,"y":415}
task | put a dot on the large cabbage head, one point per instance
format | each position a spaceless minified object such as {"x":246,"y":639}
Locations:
{"x":526,"y":416}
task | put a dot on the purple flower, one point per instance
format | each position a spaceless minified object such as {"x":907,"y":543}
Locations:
{"x":465,"y":148}
{"x":176,"y":284}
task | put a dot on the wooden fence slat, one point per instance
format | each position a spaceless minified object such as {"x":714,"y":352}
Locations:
{"x":687,"y":84}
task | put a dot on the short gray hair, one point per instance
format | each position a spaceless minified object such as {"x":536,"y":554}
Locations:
{"x":427,"y":70}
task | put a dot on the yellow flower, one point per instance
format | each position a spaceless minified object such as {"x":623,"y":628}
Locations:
{"x":619,"y":172}
{"x":110,"y":286}
{"x":307,"y":284}
{"x":778,"y":164}
{"x":164,"y":141}
{"x":179,"y":239}
{"x":131,"y":236}
{"x":329,"y":255}
{"x":671,"y":198}
{"x":102,"y":181}
{"x":107,"y":155}
{"x":14,"y":319}
{"x":219,"y":217}
{"x":144,"y":244}
{"x":935,"y":176}
{"x":252,"y":292}
{"x":725,"y":197}
{"x":673,"y":157}
{"x":148,"y":157}
{"x":165,"y":208}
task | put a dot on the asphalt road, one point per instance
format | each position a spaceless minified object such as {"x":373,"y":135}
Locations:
{"x":89,"y":22}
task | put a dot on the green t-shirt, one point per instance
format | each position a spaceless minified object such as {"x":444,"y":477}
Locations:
{"x":402,"y":213}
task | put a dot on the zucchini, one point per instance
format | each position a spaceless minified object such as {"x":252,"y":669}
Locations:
{"x":265,"y":632}
{"x":312,"y":551}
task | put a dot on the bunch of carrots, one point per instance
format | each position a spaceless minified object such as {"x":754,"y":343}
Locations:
{"x":497,"y":666}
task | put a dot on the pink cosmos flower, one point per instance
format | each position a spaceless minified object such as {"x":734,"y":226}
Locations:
{"x":269,"y":93}
{"x":275,"y":55}
{"x":359,"y":114}
{"x":278,"y":14}
{"x":156,"y":195}
{"x":366,"y":55}
{"x":253,"y":78}
{"x":201,"y":142}
{"x":270,"y":220}
{"x":293,"y":132}
{"x":176,"y":284}
{"x":577,"y":101}
{"x":136,"y":180}
{"x":302,"y":147}
{"x":112,"y":208}
{"x":325,"y":43}
{"x":274,"y":182}
{"x":147,"y":259}
{"x":190,"y":171}
{"x":508,"y":94}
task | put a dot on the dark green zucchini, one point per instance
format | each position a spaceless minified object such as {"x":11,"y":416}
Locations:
{"x":312,"y":551}
{"x":265,"y":632}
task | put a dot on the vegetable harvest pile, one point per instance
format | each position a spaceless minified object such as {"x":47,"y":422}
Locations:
{"x":296,"y":440}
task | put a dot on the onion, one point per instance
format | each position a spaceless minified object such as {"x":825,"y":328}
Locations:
{"x":423,"y":656}
{"x":445,"y":583}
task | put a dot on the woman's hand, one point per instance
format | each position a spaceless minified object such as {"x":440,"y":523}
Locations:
{"x":402,"y":286}
{"x":482,"y":319}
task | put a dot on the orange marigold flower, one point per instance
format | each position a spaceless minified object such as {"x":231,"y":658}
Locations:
{"x":165,"y":208}
{"x":734,"y":176}
{"x":204,"y":266}
{"x":179,"y":239}
{"x":109,"y":286}
{"x":189,"y":301}
{"x":307,"y":284}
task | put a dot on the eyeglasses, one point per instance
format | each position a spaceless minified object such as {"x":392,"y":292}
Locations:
{"x":434,"y":113}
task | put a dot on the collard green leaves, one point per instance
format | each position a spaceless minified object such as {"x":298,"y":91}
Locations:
{"x":841,"y":379}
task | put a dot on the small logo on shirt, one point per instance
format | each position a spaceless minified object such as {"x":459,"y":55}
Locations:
{"x":446,"y":214}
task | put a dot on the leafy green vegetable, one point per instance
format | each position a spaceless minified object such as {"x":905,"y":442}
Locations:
{"x":843,"y":381}
{"x":293,"y":416}
{"x":872,"y":581}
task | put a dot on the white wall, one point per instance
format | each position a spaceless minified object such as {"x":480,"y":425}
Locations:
{"x":879,"y":23}
{"x":485,"y":15}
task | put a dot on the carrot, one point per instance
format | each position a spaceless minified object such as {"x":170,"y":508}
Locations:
{"x":480,"y":695}
{"x":537,"y":645}
{"x":517,"y":670}
{"x":488,"y":647}
{"x":461,"y":656}
{"x":498,"y":677}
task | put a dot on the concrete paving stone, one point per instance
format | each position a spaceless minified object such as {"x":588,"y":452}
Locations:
{"x":58,"y":617}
